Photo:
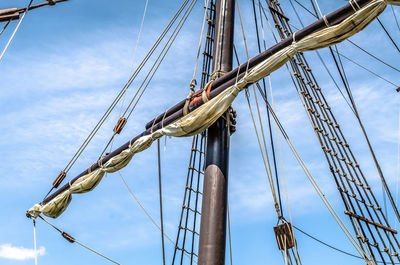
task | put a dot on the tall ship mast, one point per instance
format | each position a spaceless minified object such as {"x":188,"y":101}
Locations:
{"x":365,"y":209}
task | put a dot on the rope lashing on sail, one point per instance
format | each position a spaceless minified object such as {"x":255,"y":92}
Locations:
{"x":71,"y":239}
{"x":205,"y":115}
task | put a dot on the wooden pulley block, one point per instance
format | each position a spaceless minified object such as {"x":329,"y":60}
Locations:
{"x":284,"y":236}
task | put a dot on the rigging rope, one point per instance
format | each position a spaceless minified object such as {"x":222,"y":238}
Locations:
{"x":395,"y":18}
{"x":305,"y":70}
{"x":265,"y":156}
{"x":160,"y":58}
{"x":15,"y":30}
{"x":375,"y":57}
{"x":192,"y":85}
{"x":330,"y":246}
{"x":197,"y":154}
{"x":282,"y":165}
{"x":398,"y":164}
{"x":268,"y":115}
{"x":34,"y":240}
{"x":316,"y":101}
{"x":319,"y":54}
{"x":377,"y":165}
{"x":229,"y":234}
{"x":153,"y":70}
{"x":73,"y":240}
{"x":348,"y":40}
{"x":388,"y":34}
{"x":278,"y":207}
{"x":326,"y":244}
{"x":368,"y":70}
{"x":286,"y":255}
{"x":140,"y":33}
{"x":134,"y":57}
{"x":317,"y":188}
{"x":5,"y":26}
{"x":144,"y":209}
{"x":160,"y":193}
{"x":124,"y":89}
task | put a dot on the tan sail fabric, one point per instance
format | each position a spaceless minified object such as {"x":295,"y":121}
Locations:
{"x":203,"y":117}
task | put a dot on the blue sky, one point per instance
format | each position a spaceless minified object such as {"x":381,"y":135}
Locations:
{"x":67,"y":63}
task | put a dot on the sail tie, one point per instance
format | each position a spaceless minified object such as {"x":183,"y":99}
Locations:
{"x":326,"y":21}
{"x":351,"y":4}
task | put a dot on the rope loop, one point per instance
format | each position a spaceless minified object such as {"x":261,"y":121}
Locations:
{"x":162,"y":121}
{"x":217,"y":74}
{"x":359,"y":7}
{"x":326,"y":21}
{"x":100,"y":163}
{"x":193,"y":84}
{"x":187,"y":102}
{"x":354,"y":8}
{"x":154,"y":121}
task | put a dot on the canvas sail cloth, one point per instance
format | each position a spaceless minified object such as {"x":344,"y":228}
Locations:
{"x":204,"y":116}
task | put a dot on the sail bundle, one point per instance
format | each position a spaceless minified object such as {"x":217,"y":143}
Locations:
{"x":204,"y":116}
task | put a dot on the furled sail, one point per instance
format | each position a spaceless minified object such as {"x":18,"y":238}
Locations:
{"x":204,"y":116}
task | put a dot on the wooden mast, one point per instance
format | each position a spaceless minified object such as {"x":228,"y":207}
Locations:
{"x":215,"y":191}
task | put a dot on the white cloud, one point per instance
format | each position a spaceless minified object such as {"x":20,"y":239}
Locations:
{"x":7,"y":251}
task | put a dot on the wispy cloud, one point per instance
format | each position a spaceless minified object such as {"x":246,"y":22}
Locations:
{"x":8,"y":251}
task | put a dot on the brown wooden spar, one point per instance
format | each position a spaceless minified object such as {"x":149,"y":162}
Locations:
{"x":222,"y":83}
{"x":9,"y":14}
{"x":14,"y":13}
{"x":212,"y":239}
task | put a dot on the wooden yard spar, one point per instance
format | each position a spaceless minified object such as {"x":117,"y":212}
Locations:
{"x":224,"y":82}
